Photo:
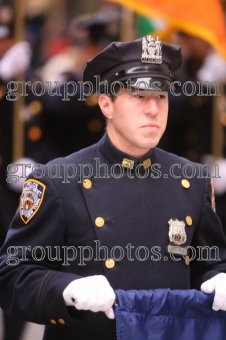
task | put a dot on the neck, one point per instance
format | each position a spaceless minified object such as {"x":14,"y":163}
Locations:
{"x":125,"y":146}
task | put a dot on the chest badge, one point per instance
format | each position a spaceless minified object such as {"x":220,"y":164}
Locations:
{"x":177,"y":237}
{"x":31,"y":199}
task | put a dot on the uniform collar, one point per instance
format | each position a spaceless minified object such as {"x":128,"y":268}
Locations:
{"x":116,"y":156}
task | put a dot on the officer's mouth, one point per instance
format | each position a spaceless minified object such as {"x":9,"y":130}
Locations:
{"x":150,"y":127}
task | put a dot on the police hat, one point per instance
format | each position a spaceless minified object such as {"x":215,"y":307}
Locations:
{"x":147,"y":62}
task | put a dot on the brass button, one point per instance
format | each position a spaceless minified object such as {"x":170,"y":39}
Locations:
{"x":110,"y":263}
{"x":187,"y":260}
{"x":61,"y":321}
{"x":189,"y":220}
{"x":185,"y":183}
{"x":53,"y":322}
{"x":87,"y":184}
{"x":99,"y":222}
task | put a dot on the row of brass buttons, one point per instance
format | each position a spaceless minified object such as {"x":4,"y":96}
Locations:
{"x":54,"y":322}
{"x":87,"y":184}
{"x":99,"y":221}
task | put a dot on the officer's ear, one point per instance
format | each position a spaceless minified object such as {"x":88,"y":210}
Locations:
{"x":106,"y":105}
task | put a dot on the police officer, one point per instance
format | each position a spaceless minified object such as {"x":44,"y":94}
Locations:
{"x":119,"y":214}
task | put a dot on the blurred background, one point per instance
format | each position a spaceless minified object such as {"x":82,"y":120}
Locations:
{"x":49,"y":41}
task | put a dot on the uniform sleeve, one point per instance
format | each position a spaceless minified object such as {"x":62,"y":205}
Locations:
{"x":31,"y":279}
{"x":209,"y":243}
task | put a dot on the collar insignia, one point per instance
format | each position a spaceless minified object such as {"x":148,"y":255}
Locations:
{"x":147,"y":163}
{"x":127,"y":163}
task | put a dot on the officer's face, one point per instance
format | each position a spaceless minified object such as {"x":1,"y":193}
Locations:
{"x":135,"y":123}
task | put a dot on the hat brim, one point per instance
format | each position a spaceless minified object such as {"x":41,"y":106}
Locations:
{"x":138,"y":83}
{"x":149,"y":83}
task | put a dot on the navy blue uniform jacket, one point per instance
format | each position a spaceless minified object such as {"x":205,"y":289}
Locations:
{"x":133,"y":230}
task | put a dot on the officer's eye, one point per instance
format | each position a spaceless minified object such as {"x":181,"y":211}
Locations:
{"x":162,"y":95}
{"x":138,"y":96}
{"x":137,"y":93}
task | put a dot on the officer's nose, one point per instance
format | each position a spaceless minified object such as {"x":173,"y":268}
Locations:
{"x":151,"y":107}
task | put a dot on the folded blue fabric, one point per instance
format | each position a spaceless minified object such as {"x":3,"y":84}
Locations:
{"x":165,"y":314}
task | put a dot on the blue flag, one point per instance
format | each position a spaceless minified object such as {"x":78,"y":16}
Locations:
{"x":165,"y":314}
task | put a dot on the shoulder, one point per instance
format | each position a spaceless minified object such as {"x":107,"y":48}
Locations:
{"x":171,"y":161}
{"x":65,"y":169}
{"x":188,"y":173}
{"x":167,"y":157}
{"x":80,"y":157}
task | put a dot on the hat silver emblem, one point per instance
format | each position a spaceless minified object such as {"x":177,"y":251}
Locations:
{"x":151,"y":50}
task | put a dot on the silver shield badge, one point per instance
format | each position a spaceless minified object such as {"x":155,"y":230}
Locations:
{"x":151,"y":50}
{"x":177,"y":237}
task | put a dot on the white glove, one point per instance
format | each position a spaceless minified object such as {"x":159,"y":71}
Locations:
{"x":217,"y":283}
{"x":15,"y":61}
{"x":92,"y":293}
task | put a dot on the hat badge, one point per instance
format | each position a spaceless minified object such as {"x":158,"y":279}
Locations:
{"x":151,"y":50}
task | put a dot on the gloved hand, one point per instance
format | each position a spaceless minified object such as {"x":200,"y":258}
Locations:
{"x":15,"y":61}
{"x":92,"y":293}
{"x":217,"y":283}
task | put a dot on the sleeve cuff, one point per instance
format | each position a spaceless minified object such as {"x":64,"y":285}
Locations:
{"x":50,"y":302}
